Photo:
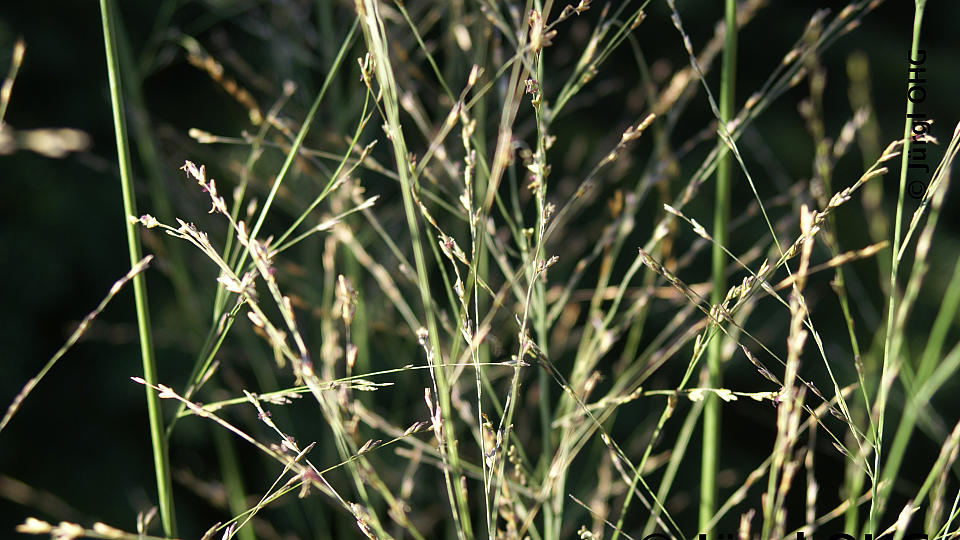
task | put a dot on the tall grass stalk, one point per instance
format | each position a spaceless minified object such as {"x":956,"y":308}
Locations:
{"x":158,"y":440}
{"x":378,"y":45}
{"x":891,"y":357}
{"x":721,"y":217}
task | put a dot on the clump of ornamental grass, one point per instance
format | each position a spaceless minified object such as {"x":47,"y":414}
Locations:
{"x":497,"y":326}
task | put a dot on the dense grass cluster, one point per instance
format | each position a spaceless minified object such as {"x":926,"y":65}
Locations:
{"x":464,"y":286}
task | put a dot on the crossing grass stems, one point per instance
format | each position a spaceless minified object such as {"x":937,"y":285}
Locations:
{"x":459,"y":249}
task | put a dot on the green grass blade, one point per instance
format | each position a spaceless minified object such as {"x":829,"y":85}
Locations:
{"x":721,"y":216}
{"x":158,"y":440}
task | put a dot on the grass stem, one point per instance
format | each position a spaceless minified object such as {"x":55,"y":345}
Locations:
{"x":158,"y":440}
{"x":711,"y":412}
{"x":890,"y":363}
